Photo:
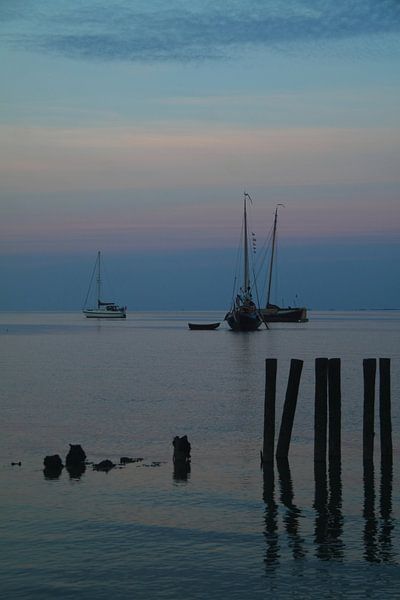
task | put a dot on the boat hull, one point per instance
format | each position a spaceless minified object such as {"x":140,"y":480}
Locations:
{"x":242,"y":321}
{"x":104,"y":314}
{"x":284,"y":315}
{"x":203,"y":326}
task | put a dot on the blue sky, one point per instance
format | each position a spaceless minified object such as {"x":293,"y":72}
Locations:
{"x":135,"y":127}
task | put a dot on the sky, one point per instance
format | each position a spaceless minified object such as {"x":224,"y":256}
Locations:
{"x":134,"y":127}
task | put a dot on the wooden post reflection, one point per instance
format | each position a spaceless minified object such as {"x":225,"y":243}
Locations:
{"x":328,"y":506}
{"x":292,"y":514}
{"x":335,"y":508}
{"x":370,"y":524}
{"x":271,"y":516}
{"x":321,"y":508}
{"x":181,"y":471}
{"x":385,"y":535}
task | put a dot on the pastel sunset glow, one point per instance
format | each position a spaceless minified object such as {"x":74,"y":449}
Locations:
{"x":135,"y":129}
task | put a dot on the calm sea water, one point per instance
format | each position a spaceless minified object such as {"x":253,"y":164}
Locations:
{"x":223,"y":530}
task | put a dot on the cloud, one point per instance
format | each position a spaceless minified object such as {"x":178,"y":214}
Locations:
{"x":154,"y":31}
{"x":139,"y":187}
{"x":49,"y":158}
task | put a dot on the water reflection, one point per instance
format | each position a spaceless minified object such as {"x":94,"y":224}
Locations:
{"x":328,"y":504}
{"x":377,"y":534}
{"x":271,"y":516}
{"x":378,"y":527}
{"x":76,"y":471}
{"x":181,"y":470}
{"x":291,"y":518}
{"x":321,"y":509}
{"x":387,"y":523}
{"x":52,"y":472}
{"x":370,"y":521}
{"x":335,"y":517}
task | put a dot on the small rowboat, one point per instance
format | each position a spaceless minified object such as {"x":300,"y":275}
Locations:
{"x":203,"y":325}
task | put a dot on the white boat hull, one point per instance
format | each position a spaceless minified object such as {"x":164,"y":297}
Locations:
{"x":104,"y":314}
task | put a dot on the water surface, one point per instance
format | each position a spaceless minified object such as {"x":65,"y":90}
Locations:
{"x":225,"y":529}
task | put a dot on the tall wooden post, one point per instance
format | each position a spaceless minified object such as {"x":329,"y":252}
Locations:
{"x":269,"y":410}
{"x":289,"y":408}
{"x":335,"y":418}
{"x":369,"y":371}
{"x":321,"y":409}
{"x":385,"y":410}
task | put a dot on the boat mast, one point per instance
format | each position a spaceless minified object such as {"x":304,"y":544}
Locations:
{"x":246,"y":250}
{"x":271,"y":262}
{"x":98,"y":279}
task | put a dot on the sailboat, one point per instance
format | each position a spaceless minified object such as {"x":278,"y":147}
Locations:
{"x":273,"y":313}
{"x":244,"y":314}
{"x":104,"y":310}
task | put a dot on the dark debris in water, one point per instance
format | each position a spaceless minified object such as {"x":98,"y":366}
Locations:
{"x":104,"y":465}
{"x":53,"y":464}
{"x":124,"y":460}
{"x":155,"y":463}
{"x":107,"y":465}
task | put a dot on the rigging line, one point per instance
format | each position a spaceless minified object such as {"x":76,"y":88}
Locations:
{"x":262,"y":259}
{"x":108,"y":281}
{"x":256,"y":289}
{"x":238,"y":265}
{"x":238,"y":256}
{"x":261,"y":275}
{"x":276,"y":278}
{"x":260,"y":313}
{"x":252,"y":240}
{"x":90,"y":283}
{"x":268,"y":240}
{"x":233,"y":292}
{"x":258,"y":303}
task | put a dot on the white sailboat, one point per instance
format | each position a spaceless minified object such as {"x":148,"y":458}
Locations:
{"x":104,"y":310}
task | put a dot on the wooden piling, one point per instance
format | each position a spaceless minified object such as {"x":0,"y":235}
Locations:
{"x":289,"y":408}
{"x":385,"y":410}
{"x":334,"y":401}
{"x":269,"y":410}
{"x":369,"y":371}
{"x":321,"y":409}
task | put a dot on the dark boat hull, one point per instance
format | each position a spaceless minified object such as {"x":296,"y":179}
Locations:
{"x":284,"y":315}
{"x":203,"y":326}
{"x":242,"y":321}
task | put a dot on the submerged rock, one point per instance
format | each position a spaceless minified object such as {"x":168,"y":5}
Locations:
{"x":75,"y":456}
{"x":52,"y":473}
{"x":104,"y":465}
{"x":182,"y":448}
{"x":76,"y":471}
{"x":53,"y":462}
{"x":124,"y":460}
{"x":52,"y":466}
